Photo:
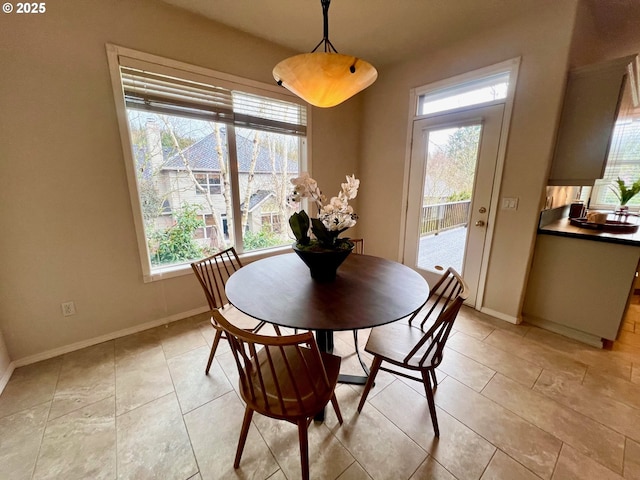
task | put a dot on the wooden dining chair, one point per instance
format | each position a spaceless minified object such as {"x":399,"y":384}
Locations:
{"x":358,"y":245}
{"x":212,"y":273}
{"x":418,"y":348}
{"x":283,"y":377}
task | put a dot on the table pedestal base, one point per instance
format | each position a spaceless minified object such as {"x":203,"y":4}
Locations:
{"x":324,"y":339}
{"x":352,"y":379}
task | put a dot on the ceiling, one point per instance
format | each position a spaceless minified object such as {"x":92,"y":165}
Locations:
{"x":379,"y":31}
{"x":387,"y":31}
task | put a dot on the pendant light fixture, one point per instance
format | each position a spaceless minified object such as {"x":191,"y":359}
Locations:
{"x":324,"y":78}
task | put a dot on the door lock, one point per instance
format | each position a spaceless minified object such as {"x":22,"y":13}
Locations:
{"x":480,"y":223}
{"x":482,"y":210}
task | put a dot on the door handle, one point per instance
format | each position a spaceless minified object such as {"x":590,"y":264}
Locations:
{"x":480,"y":223}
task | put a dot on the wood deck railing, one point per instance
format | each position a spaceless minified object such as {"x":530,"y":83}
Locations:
{"x":443,"y":216}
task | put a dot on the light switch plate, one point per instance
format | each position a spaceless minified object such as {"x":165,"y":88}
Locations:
{"x":509,"y":203}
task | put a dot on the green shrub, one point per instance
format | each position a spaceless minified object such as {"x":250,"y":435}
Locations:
{"x":176,"y":244}
{"x":262,"y":239}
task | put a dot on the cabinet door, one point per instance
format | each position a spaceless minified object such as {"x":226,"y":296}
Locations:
{"x":591,"y":104}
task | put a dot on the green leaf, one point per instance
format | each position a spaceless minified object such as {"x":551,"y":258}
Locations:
{"x":624,"y":193}
{"x":325,"y":237}
{"x":299,"y":223}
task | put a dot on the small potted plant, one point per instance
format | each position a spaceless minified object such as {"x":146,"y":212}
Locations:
{"x":324,"y":253}
{"x":625,"y":193}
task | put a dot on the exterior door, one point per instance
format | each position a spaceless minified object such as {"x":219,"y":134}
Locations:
{"x":453,"y":164}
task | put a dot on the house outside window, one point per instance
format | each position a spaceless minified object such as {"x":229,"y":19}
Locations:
{"x":209,"y":158}
{"x":206,"y":231}
{"x":208,"y":183}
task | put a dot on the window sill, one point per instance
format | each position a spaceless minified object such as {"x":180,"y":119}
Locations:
{"x":185,"y":268}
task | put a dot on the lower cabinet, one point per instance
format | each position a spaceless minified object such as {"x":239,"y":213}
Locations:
{"x":579,"y":288}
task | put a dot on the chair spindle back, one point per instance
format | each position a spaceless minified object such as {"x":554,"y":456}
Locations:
{"x":212,"y":273}
{"x":281,"y":375}
{"x":358,"y":245}
{"x":443,"y":304}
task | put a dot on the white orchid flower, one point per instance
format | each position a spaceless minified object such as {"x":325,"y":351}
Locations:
{"x":350,"y":188}
{"x":338,"y":202}
{"x":336,"y":215}
{"x":307,"y":187}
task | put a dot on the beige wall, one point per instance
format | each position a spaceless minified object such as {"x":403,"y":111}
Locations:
{"x":68,"y":229}
{"x":594,"y":42}
{"x":543,"y":41}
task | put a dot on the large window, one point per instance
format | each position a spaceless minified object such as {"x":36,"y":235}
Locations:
{"x":210,"y":155}
{"x":623,"y":162}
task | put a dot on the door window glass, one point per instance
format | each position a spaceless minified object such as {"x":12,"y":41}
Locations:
{"x":452,"y":155}
{"x":478,"y":91}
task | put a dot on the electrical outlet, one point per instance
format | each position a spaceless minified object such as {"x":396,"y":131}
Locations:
{"x":509,"y":203}
{"x":68,"y":308}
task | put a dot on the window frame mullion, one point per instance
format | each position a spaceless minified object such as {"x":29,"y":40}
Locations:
{"x":235,"y":189}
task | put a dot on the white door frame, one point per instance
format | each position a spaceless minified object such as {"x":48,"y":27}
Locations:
{"x":512,"y":66}
{"x":489,"y":119}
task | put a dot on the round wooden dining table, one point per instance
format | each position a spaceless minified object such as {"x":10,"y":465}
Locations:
{"x":368,"y":291}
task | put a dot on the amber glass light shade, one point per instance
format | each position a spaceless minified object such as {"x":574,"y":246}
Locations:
{"x":324,"y":79}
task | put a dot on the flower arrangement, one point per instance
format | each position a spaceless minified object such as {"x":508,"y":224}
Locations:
{"x":625,"y":193}
{"x":334,"y":217}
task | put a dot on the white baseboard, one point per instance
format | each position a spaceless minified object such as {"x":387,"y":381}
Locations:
{"x":583,"y":337}
{"x":501,"y":316}
{"x":6,"y":376}
{"x":38,"y":357}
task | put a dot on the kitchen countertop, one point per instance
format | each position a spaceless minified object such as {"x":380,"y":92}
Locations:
{"x":580,"y":278}
{"x":563,"y":228}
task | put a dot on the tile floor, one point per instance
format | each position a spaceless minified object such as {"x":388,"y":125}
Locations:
{"x":514,"y":402}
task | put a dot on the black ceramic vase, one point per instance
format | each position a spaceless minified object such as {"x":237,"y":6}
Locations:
{"x":323,"y":263}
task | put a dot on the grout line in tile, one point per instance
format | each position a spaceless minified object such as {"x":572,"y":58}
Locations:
{"x":184,"y":424}
{"x":347,"y":467}
{"x":624,"y":456}
{"x":568,"y":407}
{"x":546,"y":349}
{"x":115,"y":426}
{"x":489,"y":441}
{"x":555,"y":466}
{"x":596,"y":420}
{"x":46,"y":423}
{"x":495,"y":452}
{"x":537,"y":378}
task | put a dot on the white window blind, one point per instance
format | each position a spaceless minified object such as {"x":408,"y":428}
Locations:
{"x":159,"y":92}
{"x":623,"y":159}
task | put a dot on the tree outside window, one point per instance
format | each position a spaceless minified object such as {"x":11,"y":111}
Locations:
{"x":183,"y":170}
{"x":211,"y":163}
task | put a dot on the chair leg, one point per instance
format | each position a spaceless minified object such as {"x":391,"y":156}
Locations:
{"x":214,"y":347}
{"x":432,"y":405}
{"x":262,"y":324}
{"x":246,"y":423}
{"x":304,"y":448}
{"x":435,"y":380}
{"x":336,"y":407}
{"x":375,"y":366}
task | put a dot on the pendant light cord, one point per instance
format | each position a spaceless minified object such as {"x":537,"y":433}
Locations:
{"x":328,"y":46}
